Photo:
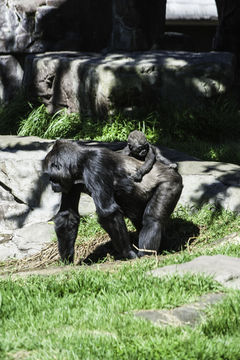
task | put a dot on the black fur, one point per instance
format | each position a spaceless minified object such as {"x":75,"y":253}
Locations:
{"x":107,"y":177}
{"x":140,"y":149}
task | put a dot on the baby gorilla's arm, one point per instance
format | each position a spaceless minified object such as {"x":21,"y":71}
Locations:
{"x":146,"y":167}
{"x":162,"y":159}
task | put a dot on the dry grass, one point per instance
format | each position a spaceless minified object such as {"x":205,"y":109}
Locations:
{"x":49,"y":256}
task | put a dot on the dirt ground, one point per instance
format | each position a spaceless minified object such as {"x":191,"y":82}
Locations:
{"x":98,"y":254}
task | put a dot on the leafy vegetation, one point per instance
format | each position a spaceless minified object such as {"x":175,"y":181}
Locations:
{"x":209,"y":131}
{"x":86,"y":313}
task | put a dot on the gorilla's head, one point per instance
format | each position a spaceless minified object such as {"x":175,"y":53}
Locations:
{"x":61,"y":165}
{"x":138,"y":145}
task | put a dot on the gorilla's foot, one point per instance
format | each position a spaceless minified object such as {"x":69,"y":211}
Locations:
{"x":147,"y":252}
{"x":130,"y":254}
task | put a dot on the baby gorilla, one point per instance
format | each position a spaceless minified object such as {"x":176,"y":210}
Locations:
{"x":140,"y":149}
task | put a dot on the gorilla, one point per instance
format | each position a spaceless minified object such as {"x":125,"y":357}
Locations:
{"x":139,"y":148}
{"x":107,"y":177}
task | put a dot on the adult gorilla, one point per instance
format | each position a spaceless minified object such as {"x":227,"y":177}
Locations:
{"x":106,"y":176}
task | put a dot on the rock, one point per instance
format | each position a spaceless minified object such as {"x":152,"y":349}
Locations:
{"x":189,"y":314}
{"x":25,"y":195}
{"x":94,"y":84}
{"x":224,"y":269}
{"x":11,"y":75}
{"x":86,"y":205}
{"x":137,"y":25}
{"x":26,"y":241}
{"x":29,"y":26}
{"x":210,"y":182}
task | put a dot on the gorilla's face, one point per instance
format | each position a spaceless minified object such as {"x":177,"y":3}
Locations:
{"x":60,"y":186}
{"x":138,"y":145}
{"x":139,"y":151}
{"x":56,"y":187}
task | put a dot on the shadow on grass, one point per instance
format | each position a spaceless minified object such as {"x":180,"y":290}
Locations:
{"x":178,"y":233}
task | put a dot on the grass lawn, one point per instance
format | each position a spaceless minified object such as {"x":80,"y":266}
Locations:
{"x":87,"y":313}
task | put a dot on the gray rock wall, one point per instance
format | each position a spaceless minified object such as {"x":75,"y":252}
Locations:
{"x":93,"y":83}
{"x":28,"y":26}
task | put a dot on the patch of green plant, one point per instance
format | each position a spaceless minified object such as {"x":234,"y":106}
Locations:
{"x":41,"y":123}
{"x":223,"y":319}
{"x":89,"y":228}
{"x":213,"y":223}
{"x":209,"y":130}
{"x":36,"y":123}
{"x":217,"y":118}
{"x":89,"y":314}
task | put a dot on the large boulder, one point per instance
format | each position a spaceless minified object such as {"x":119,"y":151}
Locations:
{"x":11,"y":75}
{"x":25,"y":196}
{"x":28,"y":26}
{"x":210,"y":182}
{"x":224,"y":269}
{"x":93,"y":83}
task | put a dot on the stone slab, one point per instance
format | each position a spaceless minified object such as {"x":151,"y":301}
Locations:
{"x":11,"y":76}
{"x":224,"y":269}
{"x":189,"y":314}
{"x":210,"y":182}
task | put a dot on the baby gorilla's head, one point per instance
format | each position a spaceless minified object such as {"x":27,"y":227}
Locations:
{"x":138,"y":144}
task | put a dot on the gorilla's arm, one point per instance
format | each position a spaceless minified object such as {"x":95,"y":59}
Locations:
{"x":161,"y":158}
{"x":146,"y":167}
{"x":67,"y":222}
{"x":99,"y":186}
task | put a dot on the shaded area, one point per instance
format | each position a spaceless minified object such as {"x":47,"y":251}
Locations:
{"x":216,"y":183}
{"x":177,"y":235}
{"x":94,"y":84}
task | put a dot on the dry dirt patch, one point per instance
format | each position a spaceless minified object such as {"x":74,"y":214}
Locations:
{"x":47,"y":262}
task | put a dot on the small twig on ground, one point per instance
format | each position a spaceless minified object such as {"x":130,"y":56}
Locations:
{"x":154,"y":252}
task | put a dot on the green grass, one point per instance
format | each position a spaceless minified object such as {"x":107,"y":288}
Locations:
{"x":209,"y":131}
{"x":89,"y":314}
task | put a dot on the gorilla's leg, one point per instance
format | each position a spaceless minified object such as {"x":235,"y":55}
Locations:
{"x":150,"y":235}
{"x":157,"y":212}
{"x":66,"y":223}
{"x":115,"y":226}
